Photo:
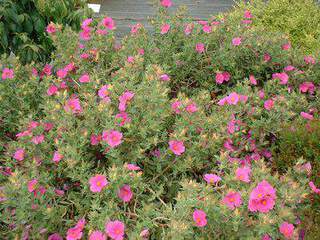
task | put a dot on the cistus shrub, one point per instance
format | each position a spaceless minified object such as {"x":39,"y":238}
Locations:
{"x":298,"y":19}
{"x":23,"y":25}
{"x":162,"y":136}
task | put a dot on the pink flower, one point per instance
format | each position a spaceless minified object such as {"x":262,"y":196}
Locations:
{"x":261,"y":94}
{"x":141,"y":51}
{"x":314,"y":188}
{"x":130,"y":59}
{"x":286,"y":46}
{"x":247,"y":14}
{"x":165,"y":28}
{"x":51,"y":28}
{"x":7,"y":74}
{"x":211,"y":178}
{"x":176,"y":147}
{"x":200,"y":218}
{"x":112,"y":137}
{"x":232,"y":200}
{"x":269,"y":104}
{"x":233,"y":98}
{"x":95,"y":139}
{"x":74,"y":233}
{"x":38,"y":139}
{"x":166,"y":3}
{"x":283,"y":77}
{"x":262,"y":198}
{"x":32,"y":185}
{"x":104,"y":91}
{"x":200,"y":47}
{"x":47,"y":70}
{"x":289,"y":68}
{"x":85,"y":34}
{"x":191,"y":108}
{"x":62,"y":73}
{"x":132,"y":167}
{"x":135,"y":28}
{"x":188,"y":29}
{"x":253,"y":80}
{"x":108,"y":23}
{"x":286,"y":229}
{"x":125,"y":193}
{"x":73,"y":105}
{"x":266,"y":57}
{"x":124,"y":99}
{"x":86,"y":23}
{"x":97,"y":183}
{"x":207,"y":28}
{"x":57,"y":157}
{"x":243,"y":174}
{"x":97,"y":235}
{"x":307,"y":87}
{"x":55,"y":236}
{"x":85,"y":78}
{"x":165,"y":77}
{"x":115,"y":230}
{"x":222,"y":77}
{"x":236,"y":41}
{"x":306,"y":115}
{"x":176,"y":107}
{"x":19,"y":154}
{"x":266,"y":237}
{"x":123,"y":117}
{"x":52,"y":90}
{"x":309,"y":60}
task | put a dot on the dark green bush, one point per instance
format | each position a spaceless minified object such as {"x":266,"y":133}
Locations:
{"x":23,"y":24}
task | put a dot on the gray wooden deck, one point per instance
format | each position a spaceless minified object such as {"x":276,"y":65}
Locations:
{"x":129,"y":12}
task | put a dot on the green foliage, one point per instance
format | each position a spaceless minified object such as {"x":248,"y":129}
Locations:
{"x":299,"y":19}
{"x":23,"y":25}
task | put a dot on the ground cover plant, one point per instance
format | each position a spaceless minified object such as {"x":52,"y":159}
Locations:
{"x":185,"y":133}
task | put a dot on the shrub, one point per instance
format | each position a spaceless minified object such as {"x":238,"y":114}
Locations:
{"x":298,"y":19}
{"x":23,"y":24}
{"x":135,"y":144}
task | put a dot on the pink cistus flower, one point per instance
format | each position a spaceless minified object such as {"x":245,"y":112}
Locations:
{"x":32,"y":185}
{"x":124,"y":99}
{"x":211,"y":178}
{"x":165,"y":77}
{"x":176,"y":106}
{"x":207,"y":28}
{"x":233,"y":98}
{"x":286,"y":229}
{"x":176,"y":147}
{"x":289,"y":68}
{"x":166,"y":3}
{"x":97,"y":183}
{"x":37,"y":139}
{"x":222,"y":77}
{"x":47,"y":70}
{"x":283,"y":77}
{"x":53,"y":89}
{"x":200,"y":218}
{"x":267,"y":57}
{"x":253,"y":80}
{"x":85,"y":34}
{"x":243,"y":174}
{"x":115,"y":230}
{"x":85,"y":78}
{"x":95,"y":139}
{"x":236,"y":41}
{"x":191,"y":107}
{"x":122,"y":118}
{"x":104,"y":91}
{"x":62,"y":73}
{"x":266,"y":237}
{"x":165,"y":28}
{"x":97,"y":235}
{"x":286,"y":46}
{"x":57,"y":157}
{"x":7,"y":73}
{"x":108,"y":23}
{"x":112,"y":137}
{"x":306,"y":116}
{"x":55,"y":236}
{"x":200,"y":47}
{"x":73,"y":105}
{"x":51,"y":28}
{"x":19,"y":154}
{"x":125,"y":193}
{"x":188,"y":29}
{"x":269,"y":104}
{"x":314,"y":188}
{"x":262,"y":198}
{"x":309,"y":60}
{"x":232,"y":200}
{"x":75,"y":233}
{"x":135,"y":28}
{"x":132,"y":167}
{"x":247,"y":14}
{"x":130,"y":59}
{"x":307,"y":87}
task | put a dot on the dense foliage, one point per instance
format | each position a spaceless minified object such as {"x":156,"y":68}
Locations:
{"x":180,"y":134}
{"x":23,"y":24}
